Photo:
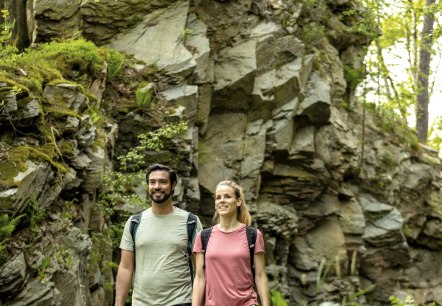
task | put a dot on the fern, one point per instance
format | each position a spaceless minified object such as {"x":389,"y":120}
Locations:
{"x":7,"y":227}
{"x":143,"y":97}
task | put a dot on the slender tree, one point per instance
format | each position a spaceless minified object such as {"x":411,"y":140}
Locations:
{"x":21,"y":35}
{"x":404,"y":78}
{"x":422,"y":97}
{"x":2,"y":7}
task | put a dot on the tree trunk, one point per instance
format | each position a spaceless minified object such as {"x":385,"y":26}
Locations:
{"x":22,"y":39}
{"x":423,"y":73}
{"x":2,"y":7}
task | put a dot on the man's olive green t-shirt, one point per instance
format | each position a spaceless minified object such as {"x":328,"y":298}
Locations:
{"x":162,"y":275}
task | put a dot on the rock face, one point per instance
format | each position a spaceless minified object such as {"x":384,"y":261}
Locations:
{"x":337,"y":196}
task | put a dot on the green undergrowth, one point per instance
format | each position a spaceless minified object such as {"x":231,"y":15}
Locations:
{"x":393,"y":126}
{"x":73,"y":59}
{"x":73,"y":64}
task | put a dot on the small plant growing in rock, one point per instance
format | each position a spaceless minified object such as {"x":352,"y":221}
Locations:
{"x":7,"y":227}
{"x":277,"y":299}
{"x":409,"y":301}
{"x":143,"y":96}
{"x":115,"y":63}
{"x":42,"y":269}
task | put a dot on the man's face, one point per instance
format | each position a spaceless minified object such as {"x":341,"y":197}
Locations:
{"x":160,"y":189}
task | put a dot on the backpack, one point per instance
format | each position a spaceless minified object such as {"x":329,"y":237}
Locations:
{"x":191,"y":230}
{"x":251,"y":241}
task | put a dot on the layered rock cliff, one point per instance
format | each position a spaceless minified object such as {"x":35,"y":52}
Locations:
{"x":350,"y":206}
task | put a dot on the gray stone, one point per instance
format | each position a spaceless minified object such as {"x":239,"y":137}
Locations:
{"x":419,"y":176}
{"x":221,"y":147}
{"x":30,"y":186}
{"x":159,"y":39}
{"x":352,"y":218}
{"x":386,"y":230}
{"x":37,"y":294}
{"x":197,"y":40}
{"x":94,"y":170}
{"x":316,"y":105}
{"x":10,"y":103}
{"x":234,"y":74}
{"x":13,"y":276}
{"x":185,"y":96}
{"x":303,"y":144}
{"x":327,"y":240}
{"x":67,"y":94}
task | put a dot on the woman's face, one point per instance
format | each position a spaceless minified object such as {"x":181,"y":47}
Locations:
{"x":226,"y":203}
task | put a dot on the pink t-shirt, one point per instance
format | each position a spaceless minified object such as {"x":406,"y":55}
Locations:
{"x":229,"y":279}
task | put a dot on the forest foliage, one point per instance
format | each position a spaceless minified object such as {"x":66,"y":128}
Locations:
{"x":392,"y":63}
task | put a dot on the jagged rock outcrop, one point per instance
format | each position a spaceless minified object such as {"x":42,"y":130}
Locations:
{"x":268,"y":105}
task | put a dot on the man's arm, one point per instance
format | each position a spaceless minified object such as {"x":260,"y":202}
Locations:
{"x":261,"y":279}
{"x":124,"y":277}
{"x":199,"y":283}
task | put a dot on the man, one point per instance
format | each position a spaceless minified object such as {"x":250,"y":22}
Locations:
{"x":162,"y":276}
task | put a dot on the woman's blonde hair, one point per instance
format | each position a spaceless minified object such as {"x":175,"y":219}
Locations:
{"x":242,"y":213}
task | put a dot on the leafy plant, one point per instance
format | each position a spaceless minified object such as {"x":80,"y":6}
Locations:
{"x":277,"y":299}
{"x":34,"y":215}
{"x":7,"y":227}
{"x":353,"y":76}
{"x":151,"y":140}
{"x":115,"y":63}
{"x":143,"y":96}
{"x":312,"y":33}
{"x":6,"y":48}
{"x":42,"y":269}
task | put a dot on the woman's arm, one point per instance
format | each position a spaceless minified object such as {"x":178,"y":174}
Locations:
{"x":261,"y":279}
{"x":199,"y":283}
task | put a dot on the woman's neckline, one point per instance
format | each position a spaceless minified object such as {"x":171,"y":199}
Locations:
{"x":230,"y":230}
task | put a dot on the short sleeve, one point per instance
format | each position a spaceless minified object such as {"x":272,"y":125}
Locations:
{"x":197,"y":246}
{"x":259,"y":248}
{"x":199,"y":228}
{"x":126,"y":242}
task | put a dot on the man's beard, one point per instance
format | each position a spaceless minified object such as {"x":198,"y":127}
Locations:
{"x":161,"y":199}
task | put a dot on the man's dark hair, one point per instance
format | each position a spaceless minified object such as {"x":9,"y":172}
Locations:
{"x":160,"y":167}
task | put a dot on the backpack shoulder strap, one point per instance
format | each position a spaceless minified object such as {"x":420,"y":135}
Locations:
{"x":251,"y":240}
{"x":134,"y":223}
{"x":205,"y":235}
{"x":191,"y":230}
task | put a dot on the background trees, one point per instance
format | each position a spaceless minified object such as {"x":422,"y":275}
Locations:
{"x":402,"y":64}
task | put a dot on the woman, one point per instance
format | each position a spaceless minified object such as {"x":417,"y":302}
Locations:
{"x":223,"y":274}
